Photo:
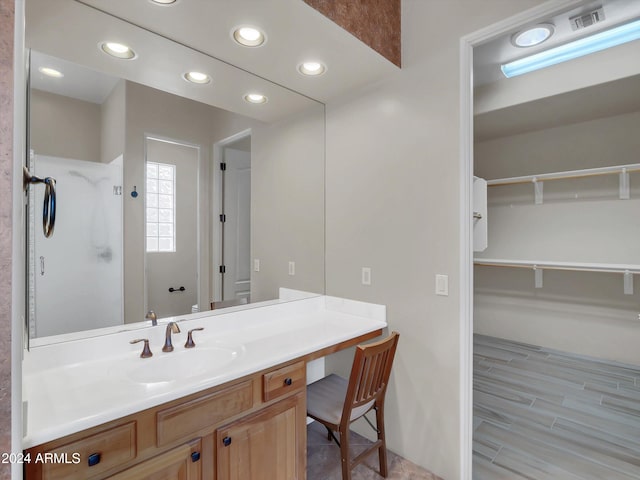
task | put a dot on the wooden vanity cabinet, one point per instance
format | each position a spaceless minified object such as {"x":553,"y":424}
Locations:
{"x":253,"y":428}
{"x":264,"y":446}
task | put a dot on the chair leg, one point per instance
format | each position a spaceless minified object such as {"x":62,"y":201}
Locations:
{"x":344,"y":455}
{"x":382,"y":451}
{"x":328,"y":433}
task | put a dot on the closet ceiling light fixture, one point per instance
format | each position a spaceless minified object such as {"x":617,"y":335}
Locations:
{"x":577,"y":48}
{"x":312,"y":68}
{"x":249,"y":36}
{"x":532,"y":36}
{"x":164,"y":2}
{"x":197,"y":77}
{"x":51,"y":72}
{"x":117,"y":50}
{"x":255,"y":98}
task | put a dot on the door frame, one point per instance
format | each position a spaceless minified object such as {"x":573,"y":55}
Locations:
{"x":216,"y":208}
{"x":162,"y":138}
{"x":467,"y":44}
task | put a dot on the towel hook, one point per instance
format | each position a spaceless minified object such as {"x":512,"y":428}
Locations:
{"x":49,"y":207}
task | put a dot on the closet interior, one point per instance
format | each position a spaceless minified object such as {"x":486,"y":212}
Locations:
{"x":556,"y":311}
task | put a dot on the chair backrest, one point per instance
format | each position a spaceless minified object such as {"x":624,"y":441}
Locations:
{"x":369,"y":376}
{"x":228,"y":303}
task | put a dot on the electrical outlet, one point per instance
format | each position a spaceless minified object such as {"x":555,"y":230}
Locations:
{"x":366,"y":275}
{"x":292,"y":268}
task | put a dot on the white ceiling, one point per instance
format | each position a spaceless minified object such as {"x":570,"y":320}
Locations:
{"x":195,"y":35}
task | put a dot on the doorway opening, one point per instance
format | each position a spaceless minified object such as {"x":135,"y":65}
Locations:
{"x":232,"y":221}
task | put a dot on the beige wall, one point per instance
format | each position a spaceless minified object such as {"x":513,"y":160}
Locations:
{"x":393,"y":192}
{"x":112,"y":124}
{"x":287,"y":204}
{"x":581,"y":220}
{"x":65,"y":127}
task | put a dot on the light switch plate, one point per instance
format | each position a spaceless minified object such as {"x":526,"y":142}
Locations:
{"x":442,"y":285}
{"x":292,"y":268}
{"x":256,"y":264}
{"x":366,"y":275}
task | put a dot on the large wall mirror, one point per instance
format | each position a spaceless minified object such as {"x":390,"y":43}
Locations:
{"x":171,"y":196}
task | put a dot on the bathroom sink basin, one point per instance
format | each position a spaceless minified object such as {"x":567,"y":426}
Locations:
{"x":182,"y":364}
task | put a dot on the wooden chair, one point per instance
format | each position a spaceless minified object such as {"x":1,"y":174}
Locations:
{"x":228,"y":303}
{"x":336,"y":402}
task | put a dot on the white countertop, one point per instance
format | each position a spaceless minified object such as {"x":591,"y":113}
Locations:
{"x":72,"y":386}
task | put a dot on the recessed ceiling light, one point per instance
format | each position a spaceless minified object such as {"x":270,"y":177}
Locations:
{"x":51,"y":72}
{"x":197,"y":77}
{"x":255,"y":98}
{"x":312,"y":68}
{"x":117,"y":50}
{"x":533,"y":36}
{"x":249,"y":36}
{"x":164,"y":2}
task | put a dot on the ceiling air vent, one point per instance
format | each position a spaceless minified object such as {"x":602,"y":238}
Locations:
{"x":587,"y":19}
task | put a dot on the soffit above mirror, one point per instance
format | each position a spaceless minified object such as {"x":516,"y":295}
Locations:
{"x":295,"y":33}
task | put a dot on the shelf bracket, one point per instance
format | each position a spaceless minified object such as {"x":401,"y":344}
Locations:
{"x":628,"y":283}
{"x":537,"y":190}
{"x":624,"y":185}
{"x":537,"y":272}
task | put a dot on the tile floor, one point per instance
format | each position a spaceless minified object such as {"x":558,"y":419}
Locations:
{"x":545,"y":414}
{"x":323,"y":460}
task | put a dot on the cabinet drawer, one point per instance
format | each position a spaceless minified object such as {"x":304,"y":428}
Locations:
{"x":184,"y":420}
{"x":283,"y":380}
{"x":107,"y":449}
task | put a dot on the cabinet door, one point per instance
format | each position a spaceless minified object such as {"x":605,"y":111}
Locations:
{"x":181,"y":463}
{"x":268,"y":445}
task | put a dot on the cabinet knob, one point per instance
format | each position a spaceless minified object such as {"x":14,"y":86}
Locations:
{"x":93,"y":459}
{"x":195,"y":456}
{"x":288,"y":381}
{"x":226,"y":441}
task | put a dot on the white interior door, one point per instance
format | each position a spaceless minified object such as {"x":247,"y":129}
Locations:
{"x":175,"y":263}
{"x":236,"y":253}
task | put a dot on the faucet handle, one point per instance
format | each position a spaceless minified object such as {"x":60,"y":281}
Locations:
{"x":146,"y":351}
{"x":190,"y":343}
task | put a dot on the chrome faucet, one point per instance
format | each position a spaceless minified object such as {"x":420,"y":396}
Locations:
{"x":172,"y":327}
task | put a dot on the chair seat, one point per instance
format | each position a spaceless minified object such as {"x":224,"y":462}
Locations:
{"x":325,"y":400}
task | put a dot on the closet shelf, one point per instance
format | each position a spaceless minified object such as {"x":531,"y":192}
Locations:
{"x":573,"y":266}
{"x":588,"y":172}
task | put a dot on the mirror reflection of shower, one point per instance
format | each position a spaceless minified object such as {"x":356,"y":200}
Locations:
{"x":77,"y":274}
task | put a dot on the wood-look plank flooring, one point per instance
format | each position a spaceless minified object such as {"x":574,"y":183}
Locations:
{"x":544,"y":414}
{"x":323,"y":460}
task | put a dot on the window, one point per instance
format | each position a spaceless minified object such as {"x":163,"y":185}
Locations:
{"x":161,"y":203}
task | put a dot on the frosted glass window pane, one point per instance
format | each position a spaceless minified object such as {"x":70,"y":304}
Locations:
{"x":152,"y":170}
{"x":165,"y":230}
{"x":152,"y":244}
{"x":165,"y":186}
{"x":165,"y":244}
{"x":165,"y":172}
{"x":165,"y":215}
{"x":152,"y":185}
{"x":165,"y":201}
{"x":152,"y":214}
{"x":160,"y":181}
